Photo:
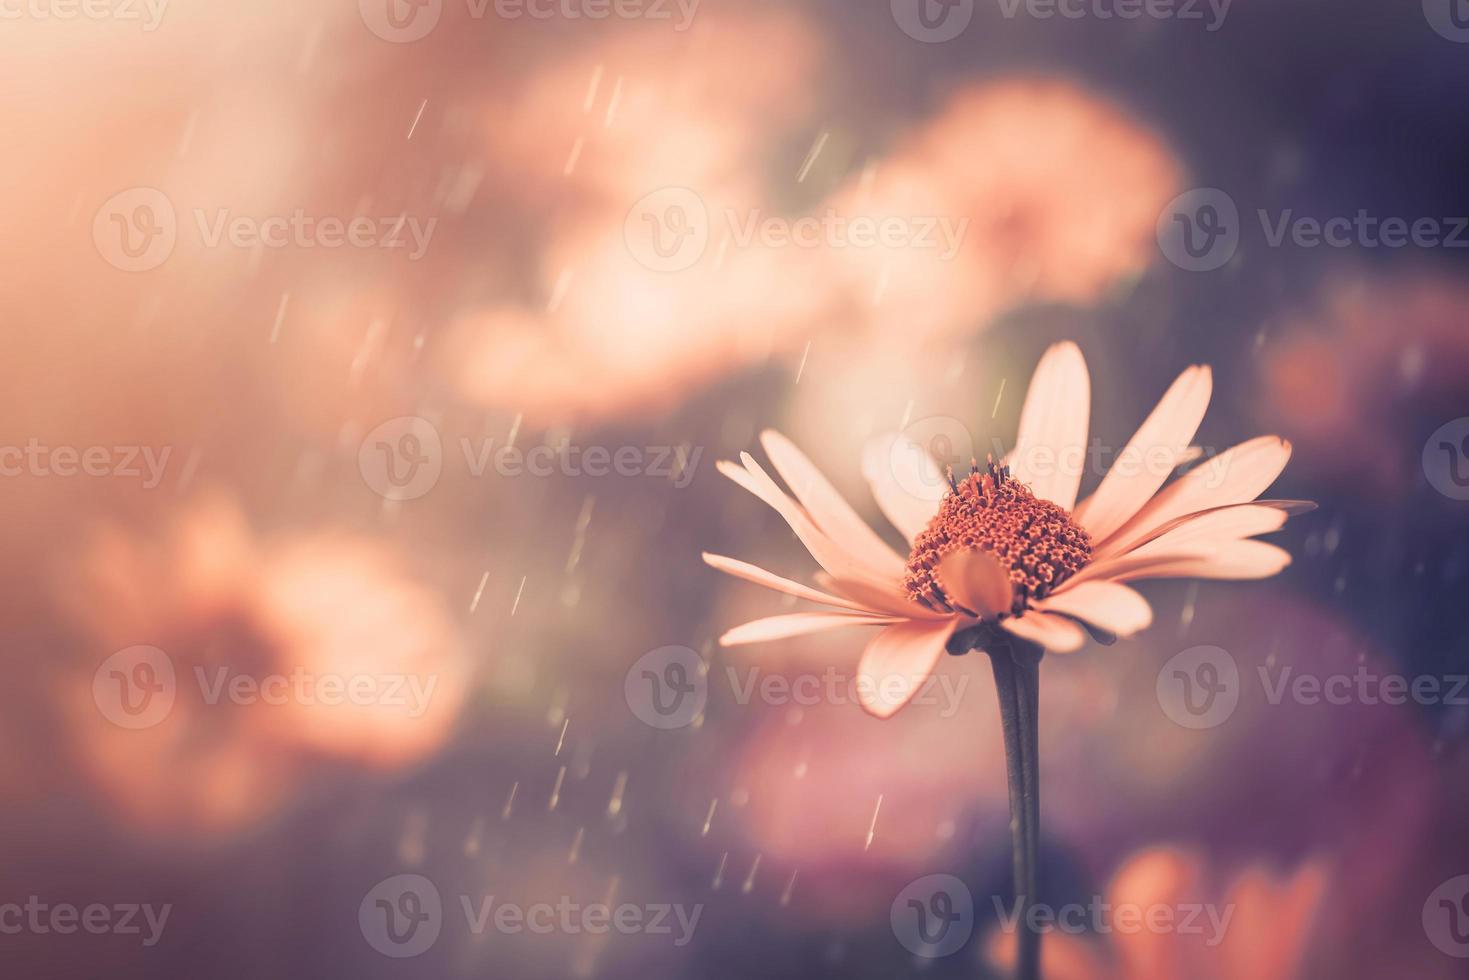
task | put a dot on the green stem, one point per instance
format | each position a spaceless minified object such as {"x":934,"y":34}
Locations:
{"x":1017,"y":681}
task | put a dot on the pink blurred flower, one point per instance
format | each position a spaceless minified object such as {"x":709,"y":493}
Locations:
{"x":1356,"y":369}
{"x":1263,"y":938}
{"x":222,"y":603}
{"x":1057,"y":192}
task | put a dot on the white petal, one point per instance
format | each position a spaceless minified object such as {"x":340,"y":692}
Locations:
{"x":1052,"y":632}
{"x":758,"y":575}
{"x":1110,"y":605}
{"x":828,"y":554}
{"x":897,"y":661}
{"x":890,"y":601}
{"x":1212,"y":528}
{"x":1236,"y":476}
{"x":906,"y":482}
{"x":828,"y":510}
{"x":1050,"y":448}
{"x":1160,"y":445}
{"x":796,"y":624}
{"x":1234,"y":560}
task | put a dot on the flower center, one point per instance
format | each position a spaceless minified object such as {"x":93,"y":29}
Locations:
{"x":1033,"y":538}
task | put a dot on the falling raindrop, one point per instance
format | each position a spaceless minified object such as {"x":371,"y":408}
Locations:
{"x":596,"y":82}
{"x":516,"y":604}
{"x":571,"y":161}
{"x":612,"y":103}
{"x":614,"y":805}
{"x":785,"y":895}
{"x":280,"y":316}
{"x":411,"y":845}
{"x":749,"y":883}
{"x":811,"y":157}
{"x":476,"y":832}
{"x":719,"y":872}
{"x":416,"y":118}
{"x":474,"y":603}
{"x":556,"y":790}
{"x":872,"y":827}
{"x":1186,"y":617}
{"x":579,"y":536}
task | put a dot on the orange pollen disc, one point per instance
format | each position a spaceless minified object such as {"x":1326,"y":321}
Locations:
{"x":1033,"y":538}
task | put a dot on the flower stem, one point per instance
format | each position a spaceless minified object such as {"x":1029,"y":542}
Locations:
{"x":1017,"y":681}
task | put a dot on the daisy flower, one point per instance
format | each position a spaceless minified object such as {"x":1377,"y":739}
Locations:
{"x":1007,"y":562}
{"x":1007,"y":553}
